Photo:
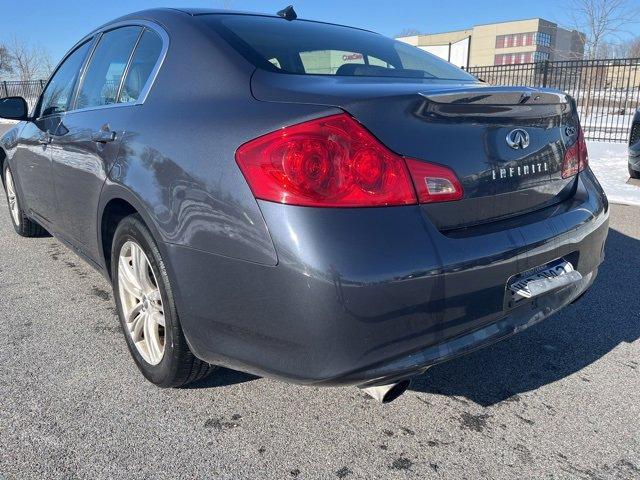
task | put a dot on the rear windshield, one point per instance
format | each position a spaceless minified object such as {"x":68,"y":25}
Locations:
{"x":313,"y":48}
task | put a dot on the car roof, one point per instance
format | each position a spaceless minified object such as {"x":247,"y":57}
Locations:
{"x":195,"y":12}
{"x":208,"y":11}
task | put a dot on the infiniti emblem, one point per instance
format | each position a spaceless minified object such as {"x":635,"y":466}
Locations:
{"x":518,"y":139}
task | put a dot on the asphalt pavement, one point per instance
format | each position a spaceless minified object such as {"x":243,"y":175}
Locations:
{"x":560,"y":400}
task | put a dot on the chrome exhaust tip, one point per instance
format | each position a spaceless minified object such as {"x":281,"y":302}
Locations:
{"x":387,"y":393}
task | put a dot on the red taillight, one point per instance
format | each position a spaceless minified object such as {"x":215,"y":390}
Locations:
{"x":331,"y":162}
{"x":576,"y":158}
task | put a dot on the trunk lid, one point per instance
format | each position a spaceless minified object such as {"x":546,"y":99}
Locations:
{"x":467,"y":127}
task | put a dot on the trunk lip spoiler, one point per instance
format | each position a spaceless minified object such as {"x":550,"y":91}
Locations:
{"x":510,"y":96}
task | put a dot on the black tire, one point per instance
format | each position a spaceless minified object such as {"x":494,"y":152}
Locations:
{"x":633,"y":173}
{"x":178,"y":366}
{"x":25,"y":226}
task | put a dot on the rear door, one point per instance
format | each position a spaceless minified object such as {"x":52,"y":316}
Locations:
{"x":89,"y":137}
{"x":33,"y":157}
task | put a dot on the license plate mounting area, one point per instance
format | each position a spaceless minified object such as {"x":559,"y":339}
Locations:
{"x":540,"y":280}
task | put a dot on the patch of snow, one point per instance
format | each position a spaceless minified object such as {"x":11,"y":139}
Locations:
{"x":9,"y":122}
{"x":609,"y":163}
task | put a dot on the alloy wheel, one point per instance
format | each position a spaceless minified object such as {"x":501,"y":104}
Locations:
{"x":12,"y":197}
{"x":141,"y":302}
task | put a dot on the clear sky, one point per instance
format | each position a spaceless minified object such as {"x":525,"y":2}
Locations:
{"x":57,"y":25}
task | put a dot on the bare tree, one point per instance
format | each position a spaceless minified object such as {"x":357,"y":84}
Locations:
{"x":603,"y":21}
{"x":407,"y":32}
{"x":630,"y":48}
{"x":47,"y":65}
{"x":5,"y":61}
{"x":29,"y":62}
{"x":606,"y":49}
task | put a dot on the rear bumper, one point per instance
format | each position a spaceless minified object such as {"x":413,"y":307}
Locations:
{"x":367,"y":296}
{"x":517,"y":320}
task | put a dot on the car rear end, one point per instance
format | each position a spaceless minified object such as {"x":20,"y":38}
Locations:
{"x":427,"y":216}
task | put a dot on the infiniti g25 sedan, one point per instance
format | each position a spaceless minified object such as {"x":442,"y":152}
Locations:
{"x":303,"y":200}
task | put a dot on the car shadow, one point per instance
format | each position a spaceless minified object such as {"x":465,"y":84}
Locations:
{"x":222,"y":377}
{"x":561,"y":345}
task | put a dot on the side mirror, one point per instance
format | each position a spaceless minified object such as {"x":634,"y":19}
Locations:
{"x":14,"y":108}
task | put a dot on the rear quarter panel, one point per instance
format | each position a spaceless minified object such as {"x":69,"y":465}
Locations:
{"x":178,"y":157}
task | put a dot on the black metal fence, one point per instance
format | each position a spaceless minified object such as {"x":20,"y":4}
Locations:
{"x":30,"y":90}
{"x":607,"y":92}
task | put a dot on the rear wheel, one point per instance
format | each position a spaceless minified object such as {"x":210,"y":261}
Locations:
{"x":633,"y":173}
{"x":22,"y":224}
{"x":146,"y":308}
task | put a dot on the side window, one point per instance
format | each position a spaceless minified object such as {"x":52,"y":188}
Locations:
{"x":143,"y":62}
{"x":57,"y":96}
{"x":104,"y":74}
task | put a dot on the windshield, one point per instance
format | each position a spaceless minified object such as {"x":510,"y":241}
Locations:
{"x":313,"y":48}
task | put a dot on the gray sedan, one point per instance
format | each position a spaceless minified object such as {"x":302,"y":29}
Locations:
{"x":303,"y":200}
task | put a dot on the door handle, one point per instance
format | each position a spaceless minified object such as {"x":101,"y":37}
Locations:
{"x":45,"y":139}
{"x":103,"y":136}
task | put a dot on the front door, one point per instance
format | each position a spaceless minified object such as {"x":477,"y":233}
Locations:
{"x":33,"y":168}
